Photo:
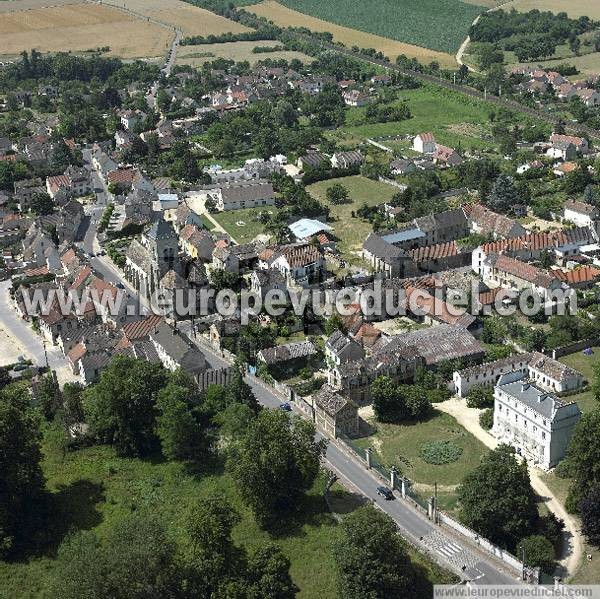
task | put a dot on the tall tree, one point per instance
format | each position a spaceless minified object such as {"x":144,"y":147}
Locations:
{"x":275,"y":463}
{"x":583,"y":455}
{"x":497,"y":499}
{"x":371,"y":558}
{"x":211,"y":553}
{"x":121,"y":408}
{"x":269,"y":574}
{"x":137,"y":560}
{"x":180,"y":432}
{"x":503,"y":195}
{"x":21,"y":478}
{"x":589,"y":509}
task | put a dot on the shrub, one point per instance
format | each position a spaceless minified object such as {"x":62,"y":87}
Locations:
{"x":486,"y":419}
{"x":440,"y":452}
{"x":480,"y":397}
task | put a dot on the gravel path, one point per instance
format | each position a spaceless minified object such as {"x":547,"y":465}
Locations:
{"x":573,"y":544}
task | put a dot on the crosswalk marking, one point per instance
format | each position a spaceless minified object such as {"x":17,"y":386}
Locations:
{"x":452,"y":552}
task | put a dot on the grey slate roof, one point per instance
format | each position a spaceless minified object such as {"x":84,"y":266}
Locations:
{"x":290,"y":351}
{"x":329,"y":400}
{"x":378,"y":247}
{"x":545,"y":404}
{"x":438,"y":343}
{"x":161,"y":229}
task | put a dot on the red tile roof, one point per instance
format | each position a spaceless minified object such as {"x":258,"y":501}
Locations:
{"x":434,"y":252}
{"x":141,"y":328}
{"x":585,"y":274}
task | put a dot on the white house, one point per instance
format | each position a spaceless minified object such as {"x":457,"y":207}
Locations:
{"x":580,"y":213}
{"x":247,"y":194}
{"x":300,"y":263}
{"x":424,"y":143}
{"x":581,"y":144}
{"x":546,"y":372}
{"x":537,"y":424}
{"x":590,"y":97}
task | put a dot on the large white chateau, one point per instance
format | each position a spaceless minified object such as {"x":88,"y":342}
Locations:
{"x":536,"y":423}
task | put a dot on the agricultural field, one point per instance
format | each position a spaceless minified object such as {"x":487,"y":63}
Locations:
{"x":190,"y":19}
{"x":351,"y":230}
{"x":286,"y":17}
{"x":437,"y":24}
{"x":15,"y":5}
{"x":80,"y":27}
{"x":454,"y":119}
{"x":195,"y":56}
{"x":574,"y":8}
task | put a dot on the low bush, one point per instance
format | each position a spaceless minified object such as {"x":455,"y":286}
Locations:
{"x":440,"y":452}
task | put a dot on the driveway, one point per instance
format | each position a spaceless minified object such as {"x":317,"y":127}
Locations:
{"x":572,"y":551}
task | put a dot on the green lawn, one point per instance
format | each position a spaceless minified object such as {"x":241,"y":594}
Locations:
{"x":585,"y":365}
{"x":453,"y":118}
{"x":95,"y":489}
{"x":587,"y":573}
{"x":352,"y":231}
{"x":249,"y":216}
{"x":392,"y":442}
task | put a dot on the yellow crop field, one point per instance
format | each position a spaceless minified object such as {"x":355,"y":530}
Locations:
{"x":286,"y":17}
{"x":15,"y":5}
{"x":190,"y":19}
{"x":574,"y":8}
{"x":238,"y":51}
{"x":78,"y":27}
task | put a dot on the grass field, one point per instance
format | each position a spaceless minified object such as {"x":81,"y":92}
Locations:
{"x":94,"y":490}
{"x":574,"y":8}
{"x":352,"y":231}
{"x":394,"y":443}
{"x":587,"y":572}
{"x":286,"y":17}
{"x":78,"y":27}
{"x":438,"y":24}
{"x":587,"y":64}
{"x":190,"y":19}
{"x":584,"y":364}
{"x":239,"y":51}
{"x":251,"y":228}
{"x":454,"y":119}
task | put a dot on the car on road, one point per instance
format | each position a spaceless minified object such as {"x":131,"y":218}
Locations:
{"x":120,"y":285}
{"x":385,"y":492}
{"x":285,"y":407}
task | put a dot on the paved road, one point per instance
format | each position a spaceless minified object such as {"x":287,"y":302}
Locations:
{"x":443,"y":546}
{"x":30,"y":343}
{"x":166,"y":69}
